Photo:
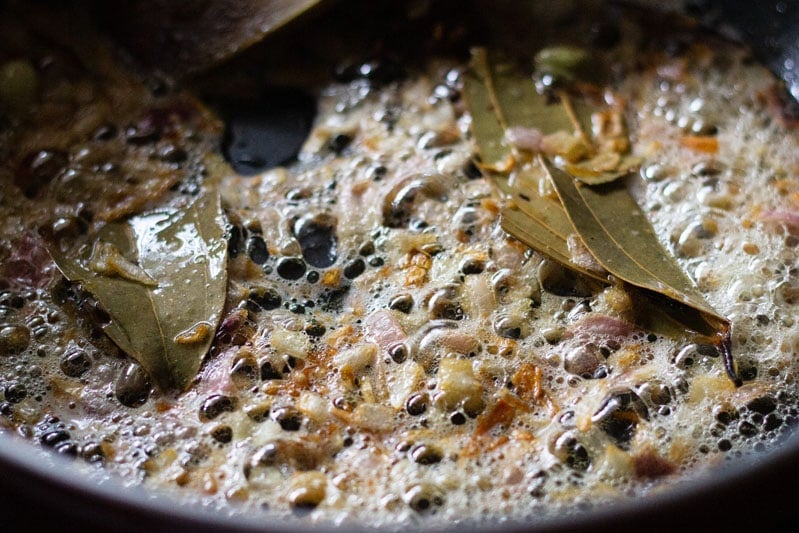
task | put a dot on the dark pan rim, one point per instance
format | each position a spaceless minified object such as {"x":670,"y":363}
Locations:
{"x":56,"y":482}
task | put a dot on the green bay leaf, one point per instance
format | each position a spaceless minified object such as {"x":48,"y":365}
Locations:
{"x":168,"y":324}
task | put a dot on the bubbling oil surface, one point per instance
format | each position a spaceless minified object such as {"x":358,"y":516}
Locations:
{"x":418,"y":365}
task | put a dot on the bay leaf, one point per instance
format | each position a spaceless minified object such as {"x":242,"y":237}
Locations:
{"x":198,"y":35}
{"x":596,"y":172}
{"x":544,"y":224}
{"x":488,"y":125}
{"x":518,"y":224}
{"x":617,"y":233}
{"x":606,"y":217}
{"x":166,"y":324}
{"x":515,"y":102}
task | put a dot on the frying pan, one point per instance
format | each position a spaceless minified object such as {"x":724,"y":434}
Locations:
{"x":42,"y":490}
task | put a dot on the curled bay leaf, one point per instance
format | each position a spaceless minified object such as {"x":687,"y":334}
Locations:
{"x":590,"y":140}
{"x":603,"y":168}
{"x":165,"y":287}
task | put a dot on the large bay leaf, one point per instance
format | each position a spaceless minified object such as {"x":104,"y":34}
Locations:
{"x":617,"y":233}
{"x":606,"y":218}
{"x":162,"y":279}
